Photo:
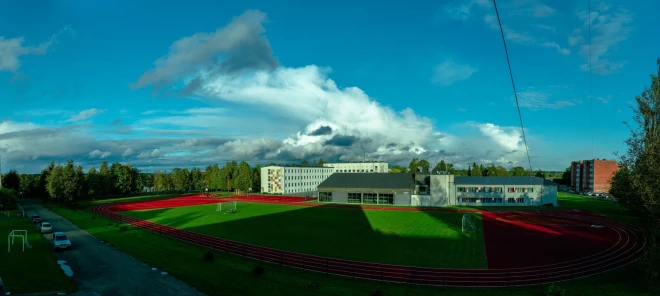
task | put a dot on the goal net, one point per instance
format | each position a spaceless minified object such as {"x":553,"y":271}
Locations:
{"x":21,"y":236}
{"x":468,"y":224}
{"x":228,"y":207}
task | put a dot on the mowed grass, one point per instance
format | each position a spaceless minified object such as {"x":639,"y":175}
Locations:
{"x":393,"y":237}
{"x":231,"y":275}
{"x":33,"y":271}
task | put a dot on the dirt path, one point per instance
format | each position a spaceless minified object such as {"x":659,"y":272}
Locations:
{"x":103,"y":270}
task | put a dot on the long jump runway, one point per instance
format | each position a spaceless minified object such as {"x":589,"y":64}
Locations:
{"x":522,"y":247}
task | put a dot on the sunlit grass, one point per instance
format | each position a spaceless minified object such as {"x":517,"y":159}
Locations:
{"x":230,"y":275}
{"x":424,"y":239}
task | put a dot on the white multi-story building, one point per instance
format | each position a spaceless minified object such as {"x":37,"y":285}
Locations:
{"x":359,"y":167}
{"x":293,"y":180}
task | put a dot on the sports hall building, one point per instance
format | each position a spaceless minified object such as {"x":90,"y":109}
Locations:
{"x":436,"y":190}
{"x":303,"y":180}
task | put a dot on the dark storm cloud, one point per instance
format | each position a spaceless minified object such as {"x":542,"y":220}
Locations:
{"x":322,"y":131}
{"x":239,"y":46}
{"x":37,"y":133}
{"x":342,"y":141}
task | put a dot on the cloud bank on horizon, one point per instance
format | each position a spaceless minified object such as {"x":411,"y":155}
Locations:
{"x":295,"y":112}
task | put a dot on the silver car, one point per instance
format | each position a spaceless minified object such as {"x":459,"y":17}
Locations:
{"x":61,"y":241}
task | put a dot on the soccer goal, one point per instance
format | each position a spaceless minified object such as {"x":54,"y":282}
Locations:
{"x":11,"y":239}
{"x":468,"y":224}
{"x":229,"y":207}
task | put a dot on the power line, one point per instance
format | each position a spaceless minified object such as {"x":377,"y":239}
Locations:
{"x":515,"y":93}
{"x":591,"y":97}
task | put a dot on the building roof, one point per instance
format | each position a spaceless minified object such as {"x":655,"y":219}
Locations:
{"x":463,"y":180}
{"x":368,"y":180}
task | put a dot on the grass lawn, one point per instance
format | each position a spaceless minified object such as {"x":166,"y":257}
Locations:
{"x":393,"y":237}
{"x":230,"y":275}
{"x":33,"y":271}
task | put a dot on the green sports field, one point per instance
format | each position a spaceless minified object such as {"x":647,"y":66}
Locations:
{"x":393,"y":237}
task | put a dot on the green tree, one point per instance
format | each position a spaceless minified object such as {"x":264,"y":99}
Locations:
{"x":29,"y":185}
{"x":414,"y":164}
{"x":11,"y":180}
{"x":491,"y":170}
{"x":423,"y":163}
{"x":442,"y":165}
{"x":105,"y":179}
{"x":475,"y":171}
{"x":93,"y":182}
{"x":243,"y":178}
{"x":55,"y":182}
{"x":518,"y":171}
{"x":43,"y":179}
{"x":636,"y":184}
{"x":304,"y":163}
{"x":501,"y":171}
{"x":7,"y":198}
{"x":321,"y":162}
{"x":540,"y":174}
{"x":256,"y":179}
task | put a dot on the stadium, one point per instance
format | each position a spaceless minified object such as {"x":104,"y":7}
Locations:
{"x":424,"y":246}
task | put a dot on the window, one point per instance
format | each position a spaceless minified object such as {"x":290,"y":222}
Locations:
{"x":520,"y":200}
{"x":530,"y":189}
{"x":461,"y":189}
{"x":386,"y":198}
{"x":511,"y":200}
{"x":369,"y":198}
{"x":354,"y":197}
{"x":325,"y":196}
{"x":511,"y":189}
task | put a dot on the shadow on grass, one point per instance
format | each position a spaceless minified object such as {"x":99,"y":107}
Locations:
{"x":393,"y":237}
{"x":231,"y":275}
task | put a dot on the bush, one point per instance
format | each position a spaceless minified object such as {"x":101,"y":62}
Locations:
{"x":258,"y":270}
{"x":554,"y":290}
{"x":377,"y":293}
{"x":123,"y":227}
{"x":209,"y":256}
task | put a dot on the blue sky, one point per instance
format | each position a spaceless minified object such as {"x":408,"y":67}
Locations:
{"x":161,"y":84}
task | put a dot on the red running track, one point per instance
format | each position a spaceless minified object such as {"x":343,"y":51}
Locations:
{"x":612,"y":246}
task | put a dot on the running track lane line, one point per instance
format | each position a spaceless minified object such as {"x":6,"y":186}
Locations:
{"x":623,"y":252}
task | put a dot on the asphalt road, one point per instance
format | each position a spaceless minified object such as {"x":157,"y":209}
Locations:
{"x":100,"y":269}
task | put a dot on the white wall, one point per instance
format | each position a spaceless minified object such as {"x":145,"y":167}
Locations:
{"x":359,"y":167}
{"x":293,"y":179}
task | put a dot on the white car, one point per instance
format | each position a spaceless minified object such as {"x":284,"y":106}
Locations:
{"x":61,"y":241}
{"x":46,"y":227}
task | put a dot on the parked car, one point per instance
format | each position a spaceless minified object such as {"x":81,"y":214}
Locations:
{"x":46,"y":227}
{"x":61,"y":241}
{"x":36,"y":219}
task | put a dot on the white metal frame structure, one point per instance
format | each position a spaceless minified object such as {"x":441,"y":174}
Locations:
{"x":13,"y":235}
{"x":468,"y":224}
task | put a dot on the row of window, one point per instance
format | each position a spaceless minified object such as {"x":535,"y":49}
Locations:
{"x":306,"y":177}
{"x":355,"y":171}
{"x":490,"y":200}
{"x":478,"y":189}
{"x":307,"y":171}
{"x":495,"y":189}
{"x":366,"y":198}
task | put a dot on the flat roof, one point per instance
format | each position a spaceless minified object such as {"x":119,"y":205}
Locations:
{"x":465,"y":180}
{"x":368,"y":180}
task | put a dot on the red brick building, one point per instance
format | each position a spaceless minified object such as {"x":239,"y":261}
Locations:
{"x":592,"y":175}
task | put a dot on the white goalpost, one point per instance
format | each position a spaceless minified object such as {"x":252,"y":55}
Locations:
{"x":468,"y":224}
{"x":229,"y":206}
{"x":11,"y":239}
